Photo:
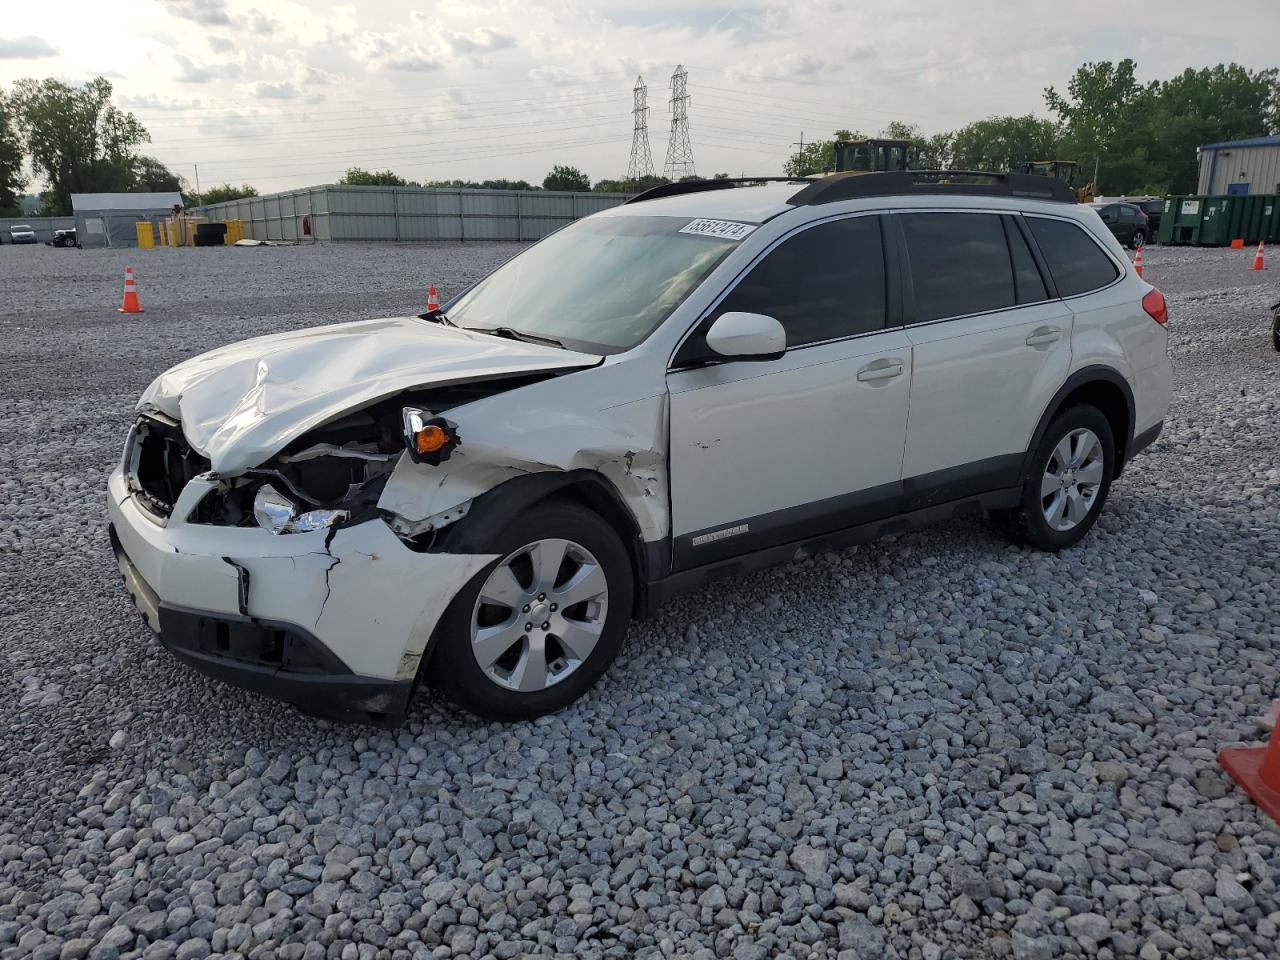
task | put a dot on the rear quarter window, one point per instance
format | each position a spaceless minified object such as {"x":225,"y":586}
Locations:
{"x":1076,"y":261}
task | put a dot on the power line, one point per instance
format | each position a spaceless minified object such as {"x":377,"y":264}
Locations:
{"x":434,"y":160}
{"x":641,"y":163}
{"x":679,"y":148}
{"x":203,"y":112}
{"x":439,"y":137}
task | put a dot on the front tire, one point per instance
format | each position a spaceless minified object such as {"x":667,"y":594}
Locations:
{"x":1068,"y":482}
{"x":538,"y":627}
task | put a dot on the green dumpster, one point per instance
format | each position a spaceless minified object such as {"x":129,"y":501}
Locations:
{"x":1215,"y":221}
{"x":1247,"y":216}
{"x":1271,"y":219}
{"x":1180,"y":222}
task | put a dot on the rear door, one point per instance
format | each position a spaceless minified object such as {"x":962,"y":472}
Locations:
{"x":765,"y":453}
{"x":991,"y":344}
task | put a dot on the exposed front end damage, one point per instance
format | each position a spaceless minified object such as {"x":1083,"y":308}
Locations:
{"x":303,"y":560}
{"x":538,"y":435}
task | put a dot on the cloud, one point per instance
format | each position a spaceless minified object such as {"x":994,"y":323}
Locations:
{"x":414,"y":59}
{"x":26,"y":48}
{"x":261,"y":24}
{"x":189,"y":72}
{"x":149,"y":101}
{"x":789,"y":66}
{"x":482,"y":40}
{"x":207,"y":13}
{"x":275,"y":91}
{"x":221,"y":44}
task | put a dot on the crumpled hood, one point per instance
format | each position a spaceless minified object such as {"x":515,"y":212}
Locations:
{"x":241,"y":404}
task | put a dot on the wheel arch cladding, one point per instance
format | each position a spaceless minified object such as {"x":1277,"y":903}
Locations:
{"x":497,"y":507}
{"x":1101,"y":387}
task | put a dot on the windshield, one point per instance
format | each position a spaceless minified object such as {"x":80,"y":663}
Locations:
{"x":601,"y":284}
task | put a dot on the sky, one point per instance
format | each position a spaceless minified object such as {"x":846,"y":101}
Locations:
{"x":290,"y":93}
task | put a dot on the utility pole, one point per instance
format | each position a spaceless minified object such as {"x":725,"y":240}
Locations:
{"x":679,"y":148}
{"x":641,"y":163}
{"x":800,"y":144}
{"x":197,"y":166}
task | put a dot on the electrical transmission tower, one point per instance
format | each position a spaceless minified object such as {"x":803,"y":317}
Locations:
{"x":679,"y":149}
{"x":641,"y":163}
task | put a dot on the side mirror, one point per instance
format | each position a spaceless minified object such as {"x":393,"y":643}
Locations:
{"x":747,"y":336}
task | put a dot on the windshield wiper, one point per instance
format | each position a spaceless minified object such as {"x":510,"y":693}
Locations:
{"x":510,"y":333}
{"x":437,"y":316}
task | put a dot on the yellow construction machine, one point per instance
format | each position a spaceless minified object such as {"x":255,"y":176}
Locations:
{"x":871,"y":156}
{"x":1064,"y":170}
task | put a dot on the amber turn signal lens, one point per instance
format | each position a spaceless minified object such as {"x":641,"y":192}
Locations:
{"x":430,"y":439}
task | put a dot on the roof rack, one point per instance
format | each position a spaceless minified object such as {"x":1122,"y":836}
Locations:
{"x":851,"y":186}
{"x":697,"y":186}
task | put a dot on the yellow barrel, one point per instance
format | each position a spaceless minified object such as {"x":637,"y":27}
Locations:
{"x":146,"y":234}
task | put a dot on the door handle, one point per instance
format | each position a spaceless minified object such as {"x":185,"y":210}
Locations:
{"x":881,"y":370}
{"x":1042,"y":336}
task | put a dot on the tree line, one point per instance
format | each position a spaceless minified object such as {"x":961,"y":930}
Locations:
{"x":560,"y":178}
{"x":1137,"y":138}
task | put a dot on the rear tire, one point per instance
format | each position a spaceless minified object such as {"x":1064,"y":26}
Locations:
{"x":505,"y":648}
{"x":1139,"y":239}
{"x":1068,"y":481}
{"x":1275,"y":332}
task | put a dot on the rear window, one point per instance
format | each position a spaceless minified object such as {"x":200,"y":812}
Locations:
{"x":1076,"y":261}
{"x":960,"y":264}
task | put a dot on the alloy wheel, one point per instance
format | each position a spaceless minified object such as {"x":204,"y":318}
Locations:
{"x":539,"y":615}
{"x":1072,"y":479}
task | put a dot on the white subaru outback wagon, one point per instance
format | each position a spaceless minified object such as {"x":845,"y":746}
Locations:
{"x":692,"y":385}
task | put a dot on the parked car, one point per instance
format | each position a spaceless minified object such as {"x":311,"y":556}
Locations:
{"x":65,"y":238}
{"x":692,"y":385}
{"x":1126,"y":221}
{"x":1153,"y":207}
{"x":1275,"y":326}
{"x":22,"y":233}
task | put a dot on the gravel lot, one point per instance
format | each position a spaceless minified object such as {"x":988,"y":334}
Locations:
{"x":934,"y":746}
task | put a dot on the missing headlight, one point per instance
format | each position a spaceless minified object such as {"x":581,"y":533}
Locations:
{"x":278,"y":514}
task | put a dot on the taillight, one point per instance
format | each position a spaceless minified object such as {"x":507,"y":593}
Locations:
{"x":1155,"y":306}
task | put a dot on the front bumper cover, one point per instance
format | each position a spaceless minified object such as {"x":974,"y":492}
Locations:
{"x":280,"y":660}
{"x":335,"y":621}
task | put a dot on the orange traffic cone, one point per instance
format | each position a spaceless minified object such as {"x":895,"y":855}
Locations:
{"x":1257,"y":259}
{"x":432,"y":302}
{"x":1137,"y":261}
{"x":1257,"y":770}
{"x":130,"y":302}
{"x":1237,"y":243}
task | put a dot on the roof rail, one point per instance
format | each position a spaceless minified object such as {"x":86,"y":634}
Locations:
{"x":697,"y":186}
{"x":851,"y":186}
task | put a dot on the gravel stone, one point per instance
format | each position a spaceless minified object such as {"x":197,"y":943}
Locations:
{"x":935,"y":746}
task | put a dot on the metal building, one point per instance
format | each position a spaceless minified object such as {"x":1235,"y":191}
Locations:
{"x":108,"y":219}
{"x":1240,"y":166}
{"x":341,"y":212}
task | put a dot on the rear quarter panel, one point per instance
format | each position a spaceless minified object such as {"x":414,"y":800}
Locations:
{"x":1113,"y":330}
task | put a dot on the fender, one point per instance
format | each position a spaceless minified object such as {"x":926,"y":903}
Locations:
{"x":1083,"y":377}
{"x":498,"y":507}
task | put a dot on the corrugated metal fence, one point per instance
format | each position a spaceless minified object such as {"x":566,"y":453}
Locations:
{"x":43,"y":226}
{"x":409,"y":213}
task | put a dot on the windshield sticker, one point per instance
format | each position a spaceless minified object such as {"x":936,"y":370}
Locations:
{"x":720,"y":229}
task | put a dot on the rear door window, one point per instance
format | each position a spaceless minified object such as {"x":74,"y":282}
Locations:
{"x":1074,"y":258}
{"x":960,"y":264}
{"x":823,"y":283}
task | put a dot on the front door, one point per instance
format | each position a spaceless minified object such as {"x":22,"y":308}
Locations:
{"x":766,"y":453}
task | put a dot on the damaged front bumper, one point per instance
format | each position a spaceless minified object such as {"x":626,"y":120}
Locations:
{"x":334,"y":621}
